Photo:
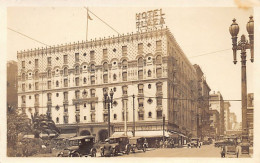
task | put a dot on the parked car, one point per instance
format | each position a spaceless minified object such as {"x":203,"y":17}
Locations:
{"x":194,"y":142}
{"x":138,"y":143}
{"x":115,"y":145}
{"x":79,"y":146}
{"x":229,"y":148}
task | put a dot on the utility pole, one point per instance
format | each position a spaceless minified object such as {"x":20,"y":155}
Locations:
{"x":133,"y":115}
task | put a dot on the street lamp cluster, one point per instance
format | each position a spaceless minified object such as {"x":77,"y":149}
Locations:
{"x":108,"y":101}
{"x":242,"y":45}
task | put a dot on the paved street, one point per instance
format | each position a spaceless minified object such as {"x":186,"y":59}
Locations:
{"x":204,"y":151}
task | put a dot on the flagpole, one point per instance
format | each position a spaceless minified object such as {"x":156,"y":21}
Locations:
{"x":87,"y":26}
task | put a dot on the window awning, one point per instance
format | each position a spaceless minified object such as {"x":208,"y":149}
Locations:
{"x":146,"y":134}
{"x":116,"y":134}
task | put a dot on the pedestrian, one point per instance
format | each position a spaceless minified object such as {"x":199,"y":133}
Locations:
{"x":156,"y":143}
{"x":161,"y":144}
{"x":223,"y":151}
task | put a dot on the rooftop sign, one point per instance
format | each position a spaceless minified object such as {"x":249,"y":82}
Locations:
{"x":150,"y":20}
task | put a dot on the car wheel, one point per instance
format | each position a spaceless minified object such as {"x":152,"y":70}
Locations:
{"x":75,"y":154}
{"x":59,"y":155}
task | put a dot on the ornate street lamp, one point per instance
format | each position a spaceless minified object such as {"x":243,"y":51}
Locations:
{"x":108,"y":102}
{"x":242,"y":46}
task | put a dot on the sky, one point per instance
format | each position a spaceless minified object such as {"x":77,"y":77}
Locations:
{"x":198,"y":30}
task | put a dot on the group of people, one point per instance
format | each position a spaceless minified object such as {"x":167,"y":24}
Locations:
{"x":168,"y":143}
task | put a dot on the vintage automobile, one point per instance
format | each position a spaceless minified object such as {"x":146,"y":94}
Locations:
{"x":194,"y":142}
{"x":138,"y":143}
{"x":115,"y":145}
{"x":230,"y":147}
{"x":81,"y":146}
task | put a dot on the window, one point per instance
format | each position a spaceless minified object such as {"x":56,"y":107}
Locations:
{"x":92,"y":78}
{"x":49,"y":61}
{"x":23,"y":99}
{"x":105,"y":53}
{"x":77,"y":81}
{"x":140,"y":102}
{"x":140,"y":47}
{"x":158,"y":59}
{"x":77,"y":70}
{"x":141,"y":116}
{"x":141,"y":88}
{"x":77,"y":109}
{"x":124,"y":63}
{"x":36,"y":75}
{"x":149,"y":86}
{"x":158,"y":45}
{"x":85,"y":105}
{"x":85,"y":118}
{"x":65,"y":94}
{"x":159,"y":114}
{"x":57,"y":94}
{"x":92,"y":67}
{"x":150,"y":115}
{"x":124,"y":90}
{"x":105,"y":78}
{"x":66,"y":71}
{"x":23,"y":64}
{"x":65,"y":108}
{"x":92,"y":55}
{"x":149,"y":101}
{"x":92,"y":92}
{"x":36,"y":63}
{"x":124,"y":49}
{"x":92,"y":116}
{"x":65,"y":59}
{"x":105,"y":67}
{"x":57,"y":120}
{"x":140,"y":74}
{"x":92,"y":105}
{"x":159,"y":87}
{"x":124,"y":75}
{"x":140,"y":61}
{"x":149,"y":73}
{"x":49,"y":73}
{"x":77,"y":94}
{"x":115,"y":116}
{"x":159,"y":72}
{"x":57,"y":83}
{"x":49,"y":84}
{"x":114,"y":77}
{"x":23,"y":87}
{"x":65,"y":83}
{"x":84,"y":80}
{"x":77,"y":117}
{"x":23,"y":76}
{"x":159,"y":101}
{"x":30,"y":86}
{"x":36,"y":86}
{"x":49,"y":96}
{"x":30,"y":97}
{"x":36,"y":98}
{"x":66,"y":119}
{"x":76,"y":57}
{"x":105,"y":117}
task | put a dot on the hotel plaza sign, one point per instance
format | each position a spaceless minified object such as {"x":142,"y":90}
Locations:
{"x":150,"y":20}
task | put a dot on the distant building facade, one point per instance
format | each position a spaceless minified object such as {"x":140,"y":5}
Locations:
{"x":214,"y":124}
{"x":203,"y":122}
{"x":217,"y":103}
{"x":12,"y":83}
{"x":226,"y":115}
{"x":68,"y":82}
{"x":250,"y":116}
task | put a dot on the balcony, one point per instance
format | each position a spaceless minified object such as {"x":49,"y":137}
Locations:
{"x":84,"y":100}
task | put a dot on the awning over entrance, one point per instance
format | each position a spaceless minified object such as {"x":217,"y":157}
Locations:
{"x":146,"y":134}
{"x":116,"y":134}
{"x":66,"y":136}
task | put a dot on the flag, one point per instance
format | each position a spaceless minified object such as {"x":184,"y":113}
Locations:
{"x":89,"y":17}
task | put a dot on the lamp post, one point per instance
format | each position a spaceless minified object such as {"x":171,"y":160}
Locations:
{"x":163,"y":128}
{"x":108,"y":101}
{"x":133,"y":115}
{"x":242,"y":45}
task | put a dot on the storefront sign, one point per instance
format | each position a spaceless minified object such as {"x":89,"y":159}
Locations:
{"x":150,"y":20}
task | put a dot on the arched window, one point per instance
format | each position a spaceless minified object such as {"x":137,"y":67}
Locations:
{"x":158,"y":59}
{"x":150,"y":114}
{"x":124,"y":63}
{"x":114,"y":77}
{"x":77,"y":69}
{"x":149,"y":73}
{"x":57,"y":83}
{"x":49,"y":73}
{"x":85,"y":80}
{"x":57,"y":120}
{"x":36,"y":75}
{"x":23,"y":76}
{"x":65,"y":71}
{"x":140,"y":61}
{"x":30,"y":86}
{"x":105,"y":67}
{"x":115,"y":116}
{"x":92,"y":67}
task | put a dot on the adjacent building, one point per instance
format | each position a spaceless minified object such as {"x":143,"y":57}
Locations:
{"x":217,"y":103}
{"x":67,"y":82}
{"x":203,"y":116}
{"x":12,"y":82}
